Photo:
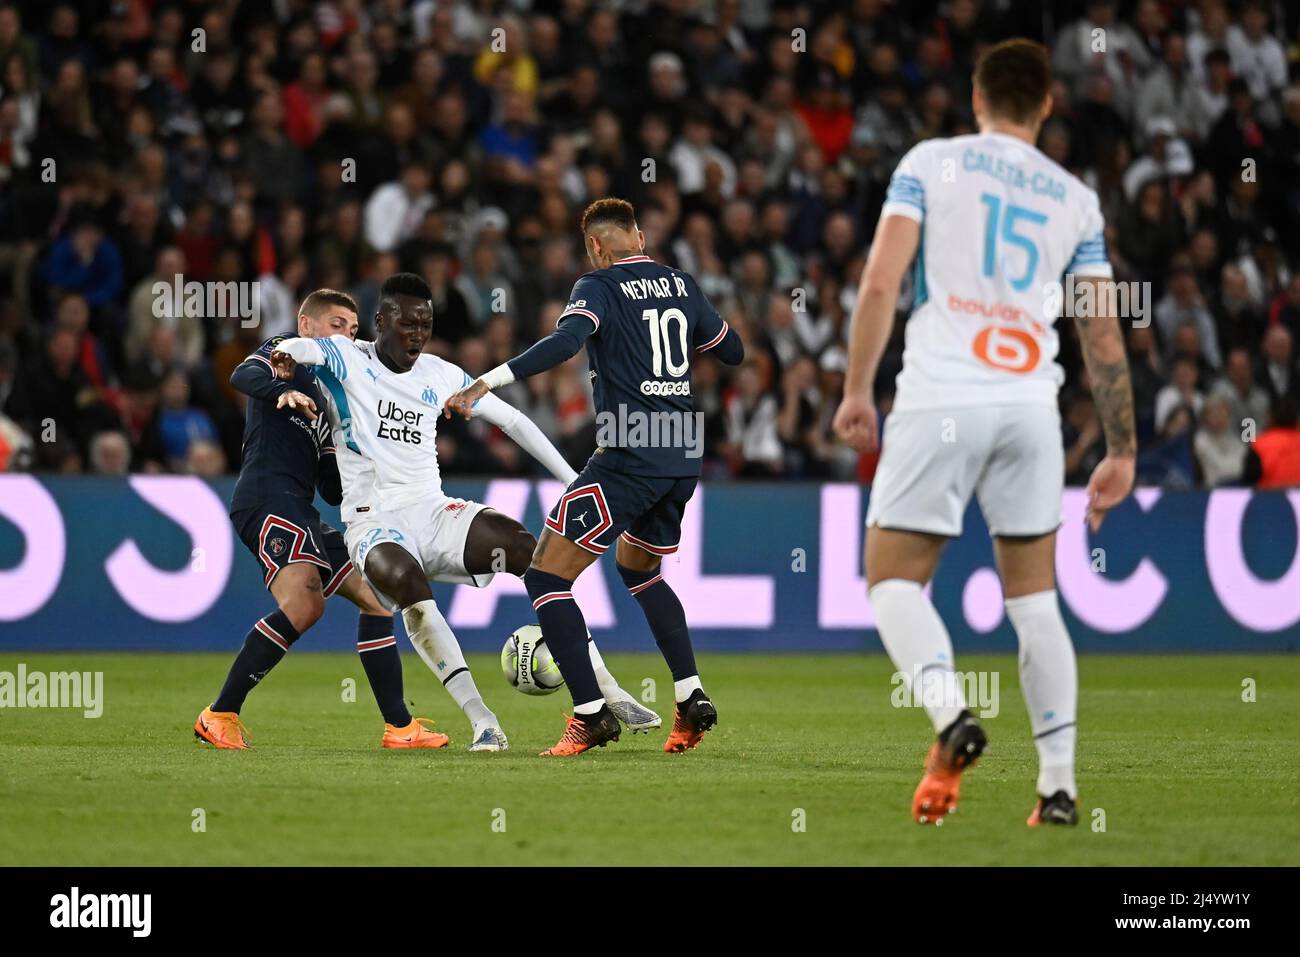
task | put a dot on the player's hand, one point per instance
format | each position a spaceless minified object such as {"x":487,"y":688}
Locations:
{"x":1109,"y":485}
{"x":462,"y":403}
{"x":282,"y":365}
{"x":855,"y":423}
{"x":299,"y":402}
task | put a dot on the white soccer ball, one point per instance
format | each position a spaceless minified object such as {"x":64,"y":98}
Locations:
{"x":527,"y":663}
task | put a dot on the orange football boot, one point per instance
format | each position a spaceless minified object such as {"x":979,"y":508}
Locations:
{"x":582,"y":735}
{"x":691,"y":718}
{"x":957,"y":749}
{"x":414,"y":735}
{"x":222,"y":729}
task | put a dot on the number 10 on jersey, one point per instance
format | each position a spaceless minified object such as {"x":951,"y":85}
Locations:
{"x":661,"y":342}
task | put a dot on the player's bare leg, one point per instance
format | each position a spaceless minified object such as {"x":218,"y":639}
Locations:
{"x":396,"y":573}
{"x":555,"y":564}
{"x":377,"y":649}
{"x":693,"y":712}
{"x":1048,"y":670}
{"x":298,"y":592}
{"x":898,"y":565}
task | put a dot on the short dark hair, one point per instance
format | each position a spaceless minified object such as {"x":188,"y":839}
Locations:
{"x":405,"y":284}
{"x":1284,"y":412}
{"x":1014,"y":76}
{"x":609,"y":211}
{"x":320,"y":300}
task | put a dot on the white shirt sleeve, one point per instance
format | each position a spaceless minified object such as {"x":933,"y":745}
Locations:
{"x":1090,"y":258}
{"x":303,"y":351}
{"x":525,"y":433}
{"x":335,"y":354}
{"x":906,"y":193}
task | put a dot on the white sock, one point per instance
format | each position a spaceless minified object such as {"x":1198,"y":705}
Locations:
{"x":436,"y":643}
{"x":918,"y":644}
{"x":685,"y":688}
{"x":1049,"y":678}
{"x":608,"y":685}
{"x":589,"y":707}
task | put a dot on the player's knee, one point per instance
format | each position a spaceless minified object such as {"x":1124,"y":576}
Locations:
{"x":408,"y":585}
{"x":304,"y":607}
{"x":519,"y":555}
{"x":636,"y":578}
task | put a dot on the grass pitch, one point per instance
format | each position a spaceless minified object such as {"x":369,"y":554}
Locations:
{"x":810,"y":764}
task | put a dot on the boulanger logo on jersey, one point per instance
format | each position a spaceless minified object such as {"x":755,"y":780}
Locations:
{"x":398,"y":424}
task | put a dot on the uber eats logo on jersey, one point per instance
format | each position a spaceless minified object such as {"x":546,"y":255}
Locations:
{"x":398,"y":424}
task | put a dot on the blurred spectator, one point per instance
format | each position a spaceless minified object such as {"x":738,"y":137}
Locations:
{"x":752,"y":425}
{"x":179,"y":424}
{"x":1279,"y":372}
{"x":1183,"y":305}
{"x":1247,"y":402}
{"x":110,"y":454}
{"x":86,"y":261}
{"x":394,"y":212}
{"x":1182,"y":391}
{"x":1220,"y":452}
{"x":1085,"y":445}
{"x":1169,"y":463}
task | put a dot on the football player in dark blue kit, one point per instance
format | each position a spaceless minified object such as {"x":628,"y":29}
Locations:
{"x":288,"y":456}
{"x":642,"y":324}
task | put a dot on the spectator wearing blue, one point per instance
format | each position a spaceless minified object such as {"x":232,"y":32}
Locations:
{"x":85,"y":261}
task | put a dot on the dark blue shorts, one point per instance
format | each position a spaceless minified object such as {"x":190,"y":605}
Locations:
{"x":289,"y":530}
{"x":601,"y":505}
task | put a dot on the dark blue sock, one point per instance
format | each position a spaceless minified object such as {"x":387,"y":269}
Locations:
{"x":565,"y":632}
{"x":264,"y":646}
{"x":383,"y":663}
{"x":667,"y":620}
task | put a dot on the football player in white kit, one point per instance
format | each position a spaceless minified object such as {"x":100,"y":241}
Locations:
{"x":994,"y":226}
{"x":403,"y":531}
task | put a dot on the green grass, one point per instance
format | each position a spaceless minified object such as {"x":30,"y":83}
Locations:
{"x":1184,"y":770}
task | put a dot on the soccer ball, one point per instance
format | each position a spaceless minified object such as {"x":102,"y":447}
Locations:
{"x":527,"y":663}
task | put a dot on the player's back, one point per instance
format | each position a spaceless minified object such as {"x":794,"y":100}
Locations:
{"x":651,"y":320}
{"x":1001,"y":224}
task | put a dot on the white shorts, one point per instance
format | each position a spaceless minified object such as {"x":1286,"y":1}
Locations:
{"x":433,"y":532}
{"x":931,"y":461}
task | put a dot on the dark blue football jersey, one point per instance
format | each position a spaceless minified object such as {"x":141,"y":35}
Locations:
{"x":650,"y":321}
{"x":285,"y":453}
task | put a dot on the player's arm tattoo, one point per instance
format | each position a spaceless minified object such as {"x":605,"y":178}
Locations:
{"x":1102,"y":343}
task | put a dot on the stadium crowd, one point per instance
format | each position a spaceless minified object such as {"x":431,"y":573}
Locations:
{"x":298,"y":144}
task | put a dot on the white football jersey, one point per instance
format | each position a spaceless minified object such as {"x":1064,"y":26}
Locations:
{"x":385,"y":423}
{"x":1001,"y":226}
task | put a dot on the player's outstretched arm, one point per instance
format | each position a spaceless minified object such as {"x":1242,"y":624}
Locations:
{"x":873,"y":319}
{"x":560,"y":346}
{"x":524,"y":432}
{"x":293,"y":351}
{"x":256,"y":378}
{"x":1102,"y":343}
